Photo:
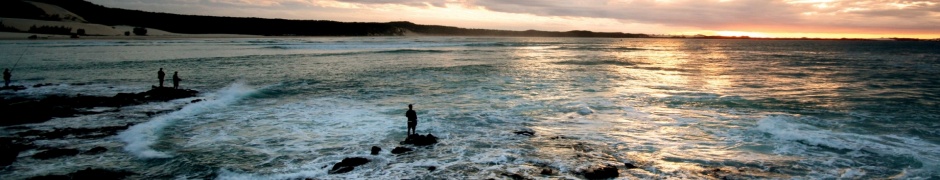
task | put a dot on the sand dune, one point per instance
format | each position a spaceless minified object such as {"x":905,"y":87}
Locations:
{"x":62,"y":13}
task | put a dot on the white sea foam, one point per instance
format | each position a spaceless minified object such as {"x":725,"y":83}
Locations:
{"x":793,"y":138}
{"x":141,"y":137}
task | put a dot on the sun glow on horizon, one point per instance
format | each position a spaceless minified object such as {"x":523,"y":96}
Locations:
{"x":742,"y":33}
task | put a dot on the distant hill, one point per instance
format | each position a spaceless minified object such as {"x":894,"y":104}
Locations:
{"x":83,"y":11}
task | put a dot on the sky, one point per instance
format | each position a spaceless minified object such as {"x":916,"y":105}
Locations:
{"x":755,"y":18}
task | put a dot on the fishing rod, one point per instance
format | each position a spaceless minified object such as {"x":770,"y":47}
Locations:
{"x":20,"y":58}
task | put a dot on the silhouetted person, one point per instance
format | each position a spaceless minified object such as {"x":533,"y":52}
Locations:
{"x":412,"y":120}
{"x":160,"y":76}
{"x":176,"y":80}
{"x":6,"y":77}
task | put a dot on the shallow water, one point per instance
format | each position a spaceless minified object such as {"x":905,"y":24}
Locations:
{"x":284,"y":108}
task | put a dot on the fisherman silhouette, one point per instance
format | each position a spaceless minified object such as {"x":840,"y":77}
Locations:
{"x":176,"y":80}
{"x":412,"y":120}
{"x":160,"y":76}
{"x":6,"y":77}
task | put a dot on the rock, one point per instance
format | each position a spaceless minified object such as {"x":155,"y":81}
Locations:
{"x":55,"y":153}
{"x":348,"y":164}
{"x":376,"y":150}
{"x":195,"y":100}
{"x":96,"y":150}
{"x":527,"y":132}
{"x":9,"y":150}
{"x":547,"y":172}
{"x":399,"y":150}
{"x":605,"y":172}
{"x":432,"y":168}
{"x":13,"y":88}
{"x":420,"y":140}
{"x":515,"y":176}
{"x":630,"y":166}
{"x":42,"y":84}
{"x":19,"y":110}
{"x":89,"y":173}
{"x":167,"y":93}
{"x":81,"y":133}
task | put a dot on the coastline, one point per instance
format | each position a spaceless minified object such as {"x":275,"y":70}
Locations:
{"x":25,"y":36}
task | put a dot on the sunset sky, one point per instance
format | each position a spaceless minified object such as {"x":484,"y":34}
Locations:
{"x":756,"y":18}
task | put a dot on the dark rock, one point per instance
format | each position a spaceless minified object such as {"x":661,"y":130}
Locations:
{"x":547,"y":172}
{"x":96,"y":150}
{"x":420,"y":140}
{"x":515,"y":176}
{"x":195,"y":100}
{"x":88,"y":173}
{"x":13,"y":88}
{"x":55,"y":153}
{"x":81,"y":133}
{"x":526,"y":132}
{"x":18,"y":110}
{"x":51,"y":177}
{"x":605,"y":172}
{"x":432,"y":168}
{"x":9,"y":149}
{"x":348,"y":164}
{"x":376,"y":150}
{"x":42,"y":84}
{"x":399,"y":150}
{"x":630,"y":166}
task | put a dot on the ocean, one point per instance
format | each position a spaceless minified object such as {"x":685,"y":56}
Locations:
{"x":290,"y":108}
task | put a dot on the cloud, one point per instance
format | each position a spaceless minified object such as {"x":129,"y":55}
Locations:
{"x":832,"y":16}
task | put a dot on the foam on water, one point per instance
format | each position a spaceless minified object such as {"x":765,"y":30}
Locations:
{"x":141,"y":137}
{"x":795,"y":138}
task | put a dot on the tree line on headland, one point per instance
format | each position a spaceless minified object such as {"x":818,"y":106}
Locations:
{"x":196,"y":24}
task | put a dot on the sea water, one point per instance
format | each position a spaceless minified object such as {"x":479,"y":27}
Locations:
{"x":290,"y":108}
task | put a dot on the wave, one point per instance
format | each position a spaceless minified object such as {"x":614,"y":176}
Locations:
{"x":600,"y":62}
{"x":795,"y":138}
{"x":604,"y":48}
{"x":141,"y":137}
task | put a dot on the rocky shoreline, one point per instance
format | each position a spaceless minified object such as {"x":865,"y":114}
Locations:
{"x":18,"y":111}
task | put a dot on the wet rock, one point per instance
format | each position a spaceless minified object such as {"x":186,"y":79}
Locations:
{"x":96,"y":150}
{"x":81,"y":133}
{"x":42,"y":84}
{"x":399,"y":150}
{"x":19,"y":110}
{"x":420,"y":140}
{"x":55,"y":153}
{"x":630,"y":166}
{"x":88,"y":173}
{"x":348,"y":164}
{"x":432,"y":168}
{"x":547,"y":172}
{"x":515,"y":176}
{"x":527,"y":132}
{"x":12,"y":88}
{"x":604,"y":172}
{"x":9,"y":149}
{"x":196,"y":100}
{"x":376,"y":150}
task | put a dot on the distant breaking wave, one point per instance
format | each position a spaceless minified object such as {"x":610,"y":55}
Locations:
{"x":141,"y":137}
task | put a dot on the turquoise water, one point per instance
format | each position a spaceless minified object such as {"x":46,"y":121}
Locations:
{"x":284,"y":108}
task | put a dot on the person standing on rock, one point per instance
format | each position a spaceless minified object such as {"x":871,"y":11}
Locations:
{"x":176,"y":80}
{"x":412,"y":120}
{"x":160,"y":76}
{"x":6,"y":77}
